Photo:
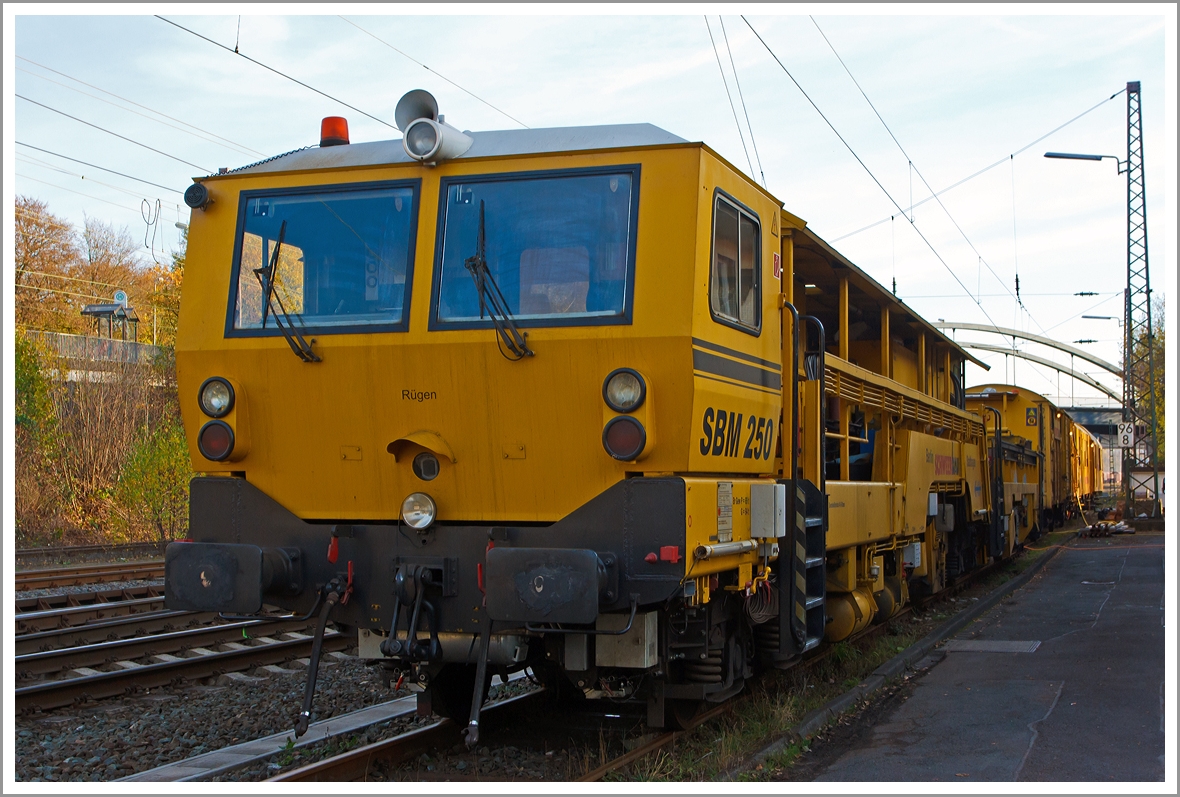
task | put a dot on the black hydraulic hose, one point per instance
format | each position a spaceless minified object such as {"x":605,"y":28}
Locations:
{"x":284,"y":618}
{"x":313,"y":668}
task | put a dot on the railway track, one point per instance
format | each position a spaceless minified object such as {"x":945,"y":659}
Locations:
{"x":40,"y":664}
{"x":129,"y":676}
{"x":360,"y":763}
{"x":356,"y":764}
{"x":63,"y":600}
{"x":78,"y":575}
{"x":118,"y":627}
{"x":74,"y":616}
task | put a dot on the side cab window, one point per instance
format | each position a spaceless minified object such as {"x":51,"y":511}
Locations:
{"x":735,"y":285}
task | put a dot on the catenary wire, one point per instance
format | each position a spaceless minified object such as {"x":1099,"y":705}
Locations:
{"x":742,"y":98}
{"x":925,"y":240}
{"x":140,"y":105}
{"x":64,"y":277}
{"x":116,"y":135}
{"x":42,"y":289}
{"x":31,"y":161}
{"x":100,"y":168}
{"x":915,"y":170}
{"x":436,"y":74}
{"x":232,"y":148}
{"x":277,"y":72}
{"x":985,"y":295}
{"x":1088,"y":309}
{"x":725,"y":82}
{"x":26,"y":236}
{"x":985,"y":169}
{"x":79,"y":193}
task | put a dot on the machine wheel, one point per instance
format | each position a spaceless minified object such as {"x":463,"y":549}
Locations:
{"x":451,"y":691}
{"x":680,"y":714}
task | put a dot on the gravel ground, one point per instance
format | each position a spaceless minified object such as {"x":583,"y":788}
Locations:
{"x":553,"y":743}
{"x":61,"y":557}
{"x":374,"y":733}
{"x":114,"y":738}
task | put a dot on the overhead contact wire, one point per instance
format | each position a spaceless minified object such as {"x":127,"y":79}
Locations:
{"x":742,"y":98}
{"x":100,"y":168}
{"x":436,"y":74}
{"x":138,"y":105}
{"x":725,"y":82}
{"x":277,"y":72}
{"x":31,"y":161}
{"x":232,"y":147}
{"x":116,"y":135}
{"x":915,"y":170}
{"x":871,"y":175}
{"x":79,"y":193}
{"x":985,"y":169}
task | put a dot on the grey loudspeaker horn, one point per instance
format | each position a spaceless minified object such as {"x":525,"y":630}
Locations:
{"x":426,"y":138}
{"x":416,"y":104}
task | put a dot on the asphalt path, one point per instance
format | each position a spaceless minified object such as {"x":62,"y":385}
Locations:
{"x":1061,"y":681}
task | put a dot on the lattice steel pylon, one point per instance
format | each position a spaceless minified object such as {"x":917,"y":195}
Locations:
{"x":1139,"y":405}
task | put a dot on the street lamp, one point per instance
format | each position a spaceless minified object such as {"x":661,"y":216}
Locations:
{"x":1105,"y":318}
{"x":1074,"y":156}
{"x":1139,"y":388}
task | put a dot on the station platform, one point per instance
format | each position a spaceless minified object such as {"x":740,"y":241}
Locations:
{"x":1061,"y":681}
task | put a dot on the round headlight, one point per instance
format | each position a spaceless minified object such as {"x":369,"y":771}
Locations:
{"x":624,"y":390}
{"x":216,"y":397}
{"x":418,"y":510}
{"x":421,"y":139}
{"x":624,"y":438}
{"x":215,"y":441}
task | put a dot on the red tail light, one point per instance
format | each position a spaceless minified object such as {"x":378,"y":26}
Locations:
{"x":624,"y":438}
{"x":215,"y":440}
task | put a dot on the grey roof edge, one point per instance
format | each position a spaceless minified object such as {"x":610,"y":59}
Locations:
{"x":487,"y":144}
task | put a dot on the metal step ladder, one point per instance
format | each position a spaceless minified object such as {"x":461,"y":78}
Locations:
{"x":811,"y":528}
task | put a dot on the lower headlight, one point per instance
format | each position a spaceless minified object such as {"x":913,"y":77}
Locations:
{"x":418,"y":510}
{"x":215,"y":441}
{"x":624,"y":438}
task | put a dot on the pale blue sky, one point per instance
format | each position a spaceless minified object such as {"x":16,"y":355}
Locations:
{"x":959,"y":92}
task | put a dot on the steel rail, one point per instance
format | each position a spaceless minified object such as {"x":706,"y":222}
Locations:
{"x":356,"y":764}
{"x":48,"y":662}
{"x":661,"y":741}
{"x":65,"y":600}
{"x":54,"y":694}
{"x":77,"y":615}
{"x":47,"y":578}
{"x":115,"y":628}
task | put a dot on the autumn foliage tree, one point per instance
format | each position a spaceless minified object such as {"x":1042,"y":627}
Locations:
{"x":100,"y":449}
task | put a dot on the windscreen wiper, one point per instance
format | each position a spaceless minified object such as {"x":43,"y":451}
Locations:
{"x":267,"y":276}
{"x":492,"y":301}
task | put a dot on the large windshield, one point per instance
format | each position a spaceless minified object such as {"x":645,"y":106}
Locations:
{"x":558,"y":247}
{"x":343,"y":262}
